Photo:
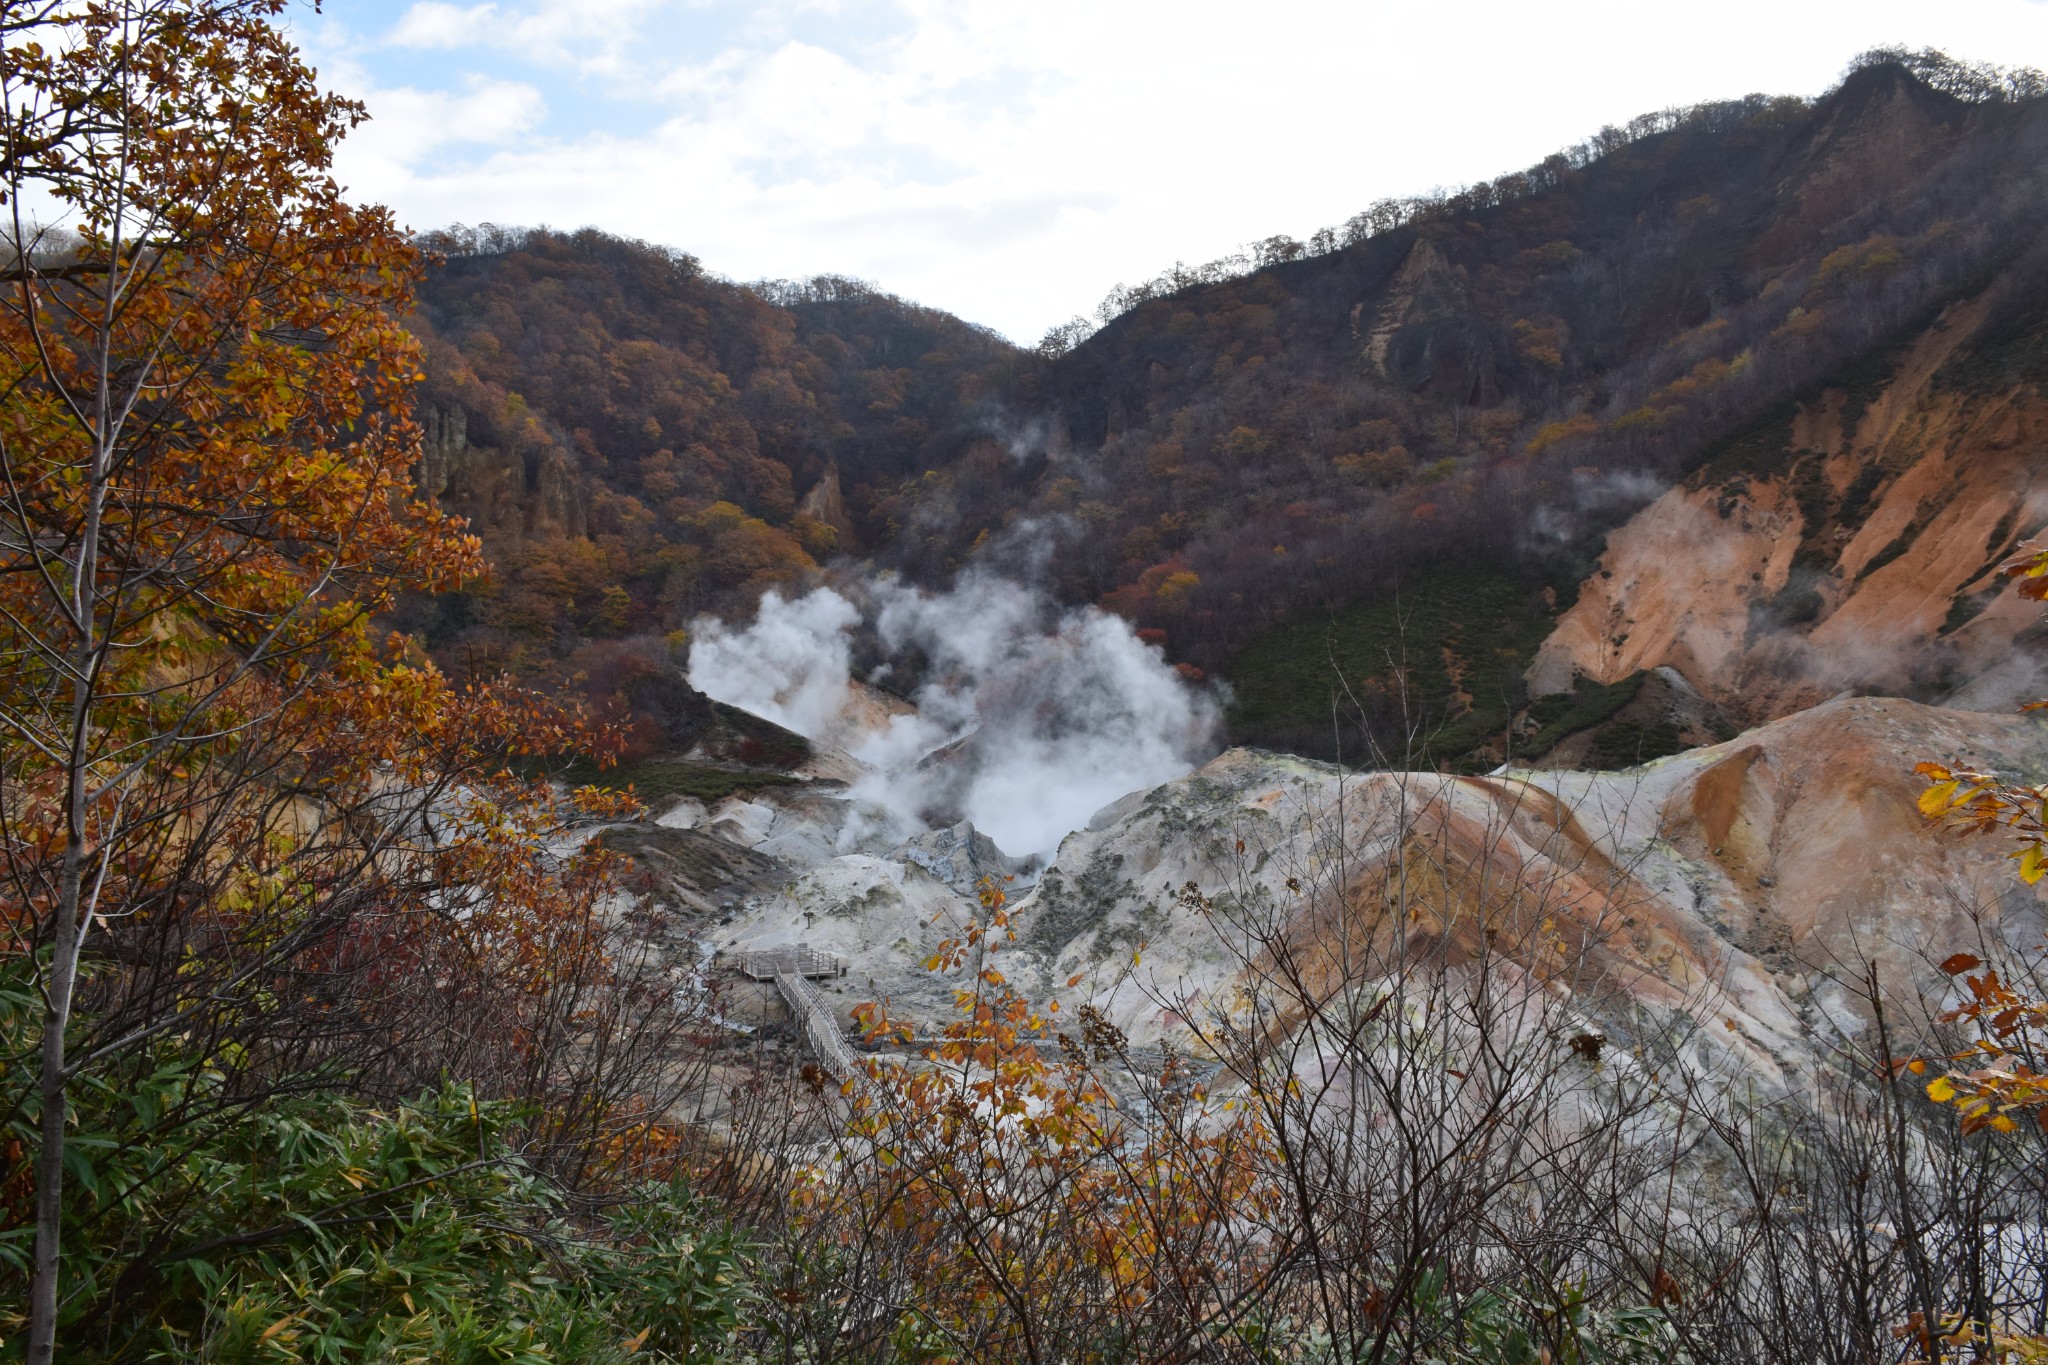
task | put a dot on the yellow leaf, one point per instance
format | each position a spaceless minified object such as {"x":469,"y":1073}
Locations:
{"x":1935,"y":800}
{"x":1941,"y":1090}
{"x":2033,"y":863}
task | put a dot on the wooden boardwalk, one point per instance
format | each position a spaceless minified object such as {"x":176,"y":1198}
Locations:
{"x":820,"y":1024}
{"x":766,"y":964}
{"x":792,"y":970}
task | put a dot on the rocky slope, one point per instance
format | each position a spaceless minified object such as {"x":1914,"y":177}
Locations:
{"x":1509,"y":372}
{"x":1738,"y":885}
{"x":1735,"y":894}
{"x":1849,"y":544}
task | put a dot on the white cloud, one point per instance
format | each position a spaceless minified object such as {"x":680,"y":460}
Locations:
{"x":431,"y":24}
{"x":593,"y":37}
{"x":1012,"y":162}
{"x":411,"y":126}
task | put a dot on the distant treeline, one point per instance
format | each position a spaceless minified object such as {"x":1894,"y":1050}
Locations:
{"x":1971,"y":82}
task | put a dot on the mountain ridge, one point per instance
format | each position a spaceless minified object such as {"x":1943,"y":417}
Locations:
{"x":1499,"y":382}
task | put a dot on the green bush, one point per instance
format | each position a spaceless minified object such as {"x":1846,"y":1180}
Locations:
{"x":311,"y":1227}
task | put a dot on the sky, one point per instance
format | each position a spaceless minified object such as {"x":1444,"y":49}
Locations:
{"x":1012,"y":162}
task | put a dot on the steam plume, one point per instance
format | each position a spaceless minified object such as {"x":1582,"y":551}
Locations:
{"x":1030,"y":721}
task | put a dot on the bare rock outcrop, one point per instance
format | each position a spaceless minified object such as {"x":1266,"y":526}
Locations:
{"x":1738,"y":895}
{"x":826,"y":503}
{"x":523,"y":489}
{"x":1855,"y":548}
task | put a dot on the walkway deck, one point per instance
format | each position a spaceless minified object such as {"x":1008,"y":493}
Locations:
{"x":766,"y":964}
{"x":820,"y":1024}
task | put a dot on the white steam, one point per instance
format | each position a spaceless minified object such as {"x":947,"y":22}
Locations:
{"x":1030,"y":720}
{"x":791,"y":666}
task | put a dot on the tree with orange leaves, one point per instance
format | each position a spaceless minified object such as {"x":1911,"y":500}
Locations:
{"x":230,"y":814}
{"x":1984,"y":802}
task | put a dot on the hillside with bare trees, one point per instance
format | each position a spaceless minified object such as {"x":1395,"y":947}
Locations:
{"x":1270,"y":460}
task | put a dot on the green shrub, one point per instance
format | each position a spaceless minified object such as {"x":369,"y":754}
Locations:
{"x":311,"y":1227}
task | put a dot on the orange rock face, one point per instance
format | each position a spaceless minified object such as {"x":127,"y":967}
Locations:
{"x":1864,"y":561}
{"x":1738,"y":895}
{"x":1749,"y":887}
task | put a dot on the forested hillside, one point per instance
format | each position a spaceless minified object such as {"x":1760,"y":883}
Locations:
{"x":350,"y":1010}
{"x":639,"y":442}
{"x":1261,"y":467}
{"x":637,"y":434}
{"x":1500,"y":383}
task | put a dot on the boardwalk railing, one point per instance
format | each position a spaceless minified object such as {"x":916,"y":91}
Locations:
{"x":766,"y":964}
{"x":792,"y":969}
{"x":820,"y":1024}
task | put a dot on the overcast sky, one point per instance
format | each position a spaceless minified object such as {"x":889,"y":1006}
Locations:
{"x":1011,"y":161}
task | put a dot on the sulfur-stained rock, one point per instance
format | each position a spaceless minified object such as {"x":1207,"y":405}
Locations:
{"x":1863,"y":557}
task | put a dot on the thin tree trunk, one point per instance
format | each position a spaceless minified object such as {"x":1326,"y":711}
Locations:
{"x":1919,"y":1272}
{"x":62,"y":980}
{"x":69,"y":928}
{"x":65,"y":948}
{"x":42,"y":1339}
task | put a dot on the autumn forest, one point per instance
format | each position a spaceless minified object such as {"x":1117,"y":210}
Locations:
{"x":1457,"y":791}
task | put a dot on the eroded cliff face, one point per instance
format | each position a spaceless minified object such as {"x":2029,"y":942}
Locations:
{"x":1851,"y":545}
{"x":526,"y":489}
{"x":825,"y":503}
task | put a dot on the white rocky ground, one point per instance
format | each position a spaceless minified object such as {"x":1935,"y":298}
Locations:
{"x":1740,"y":886}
